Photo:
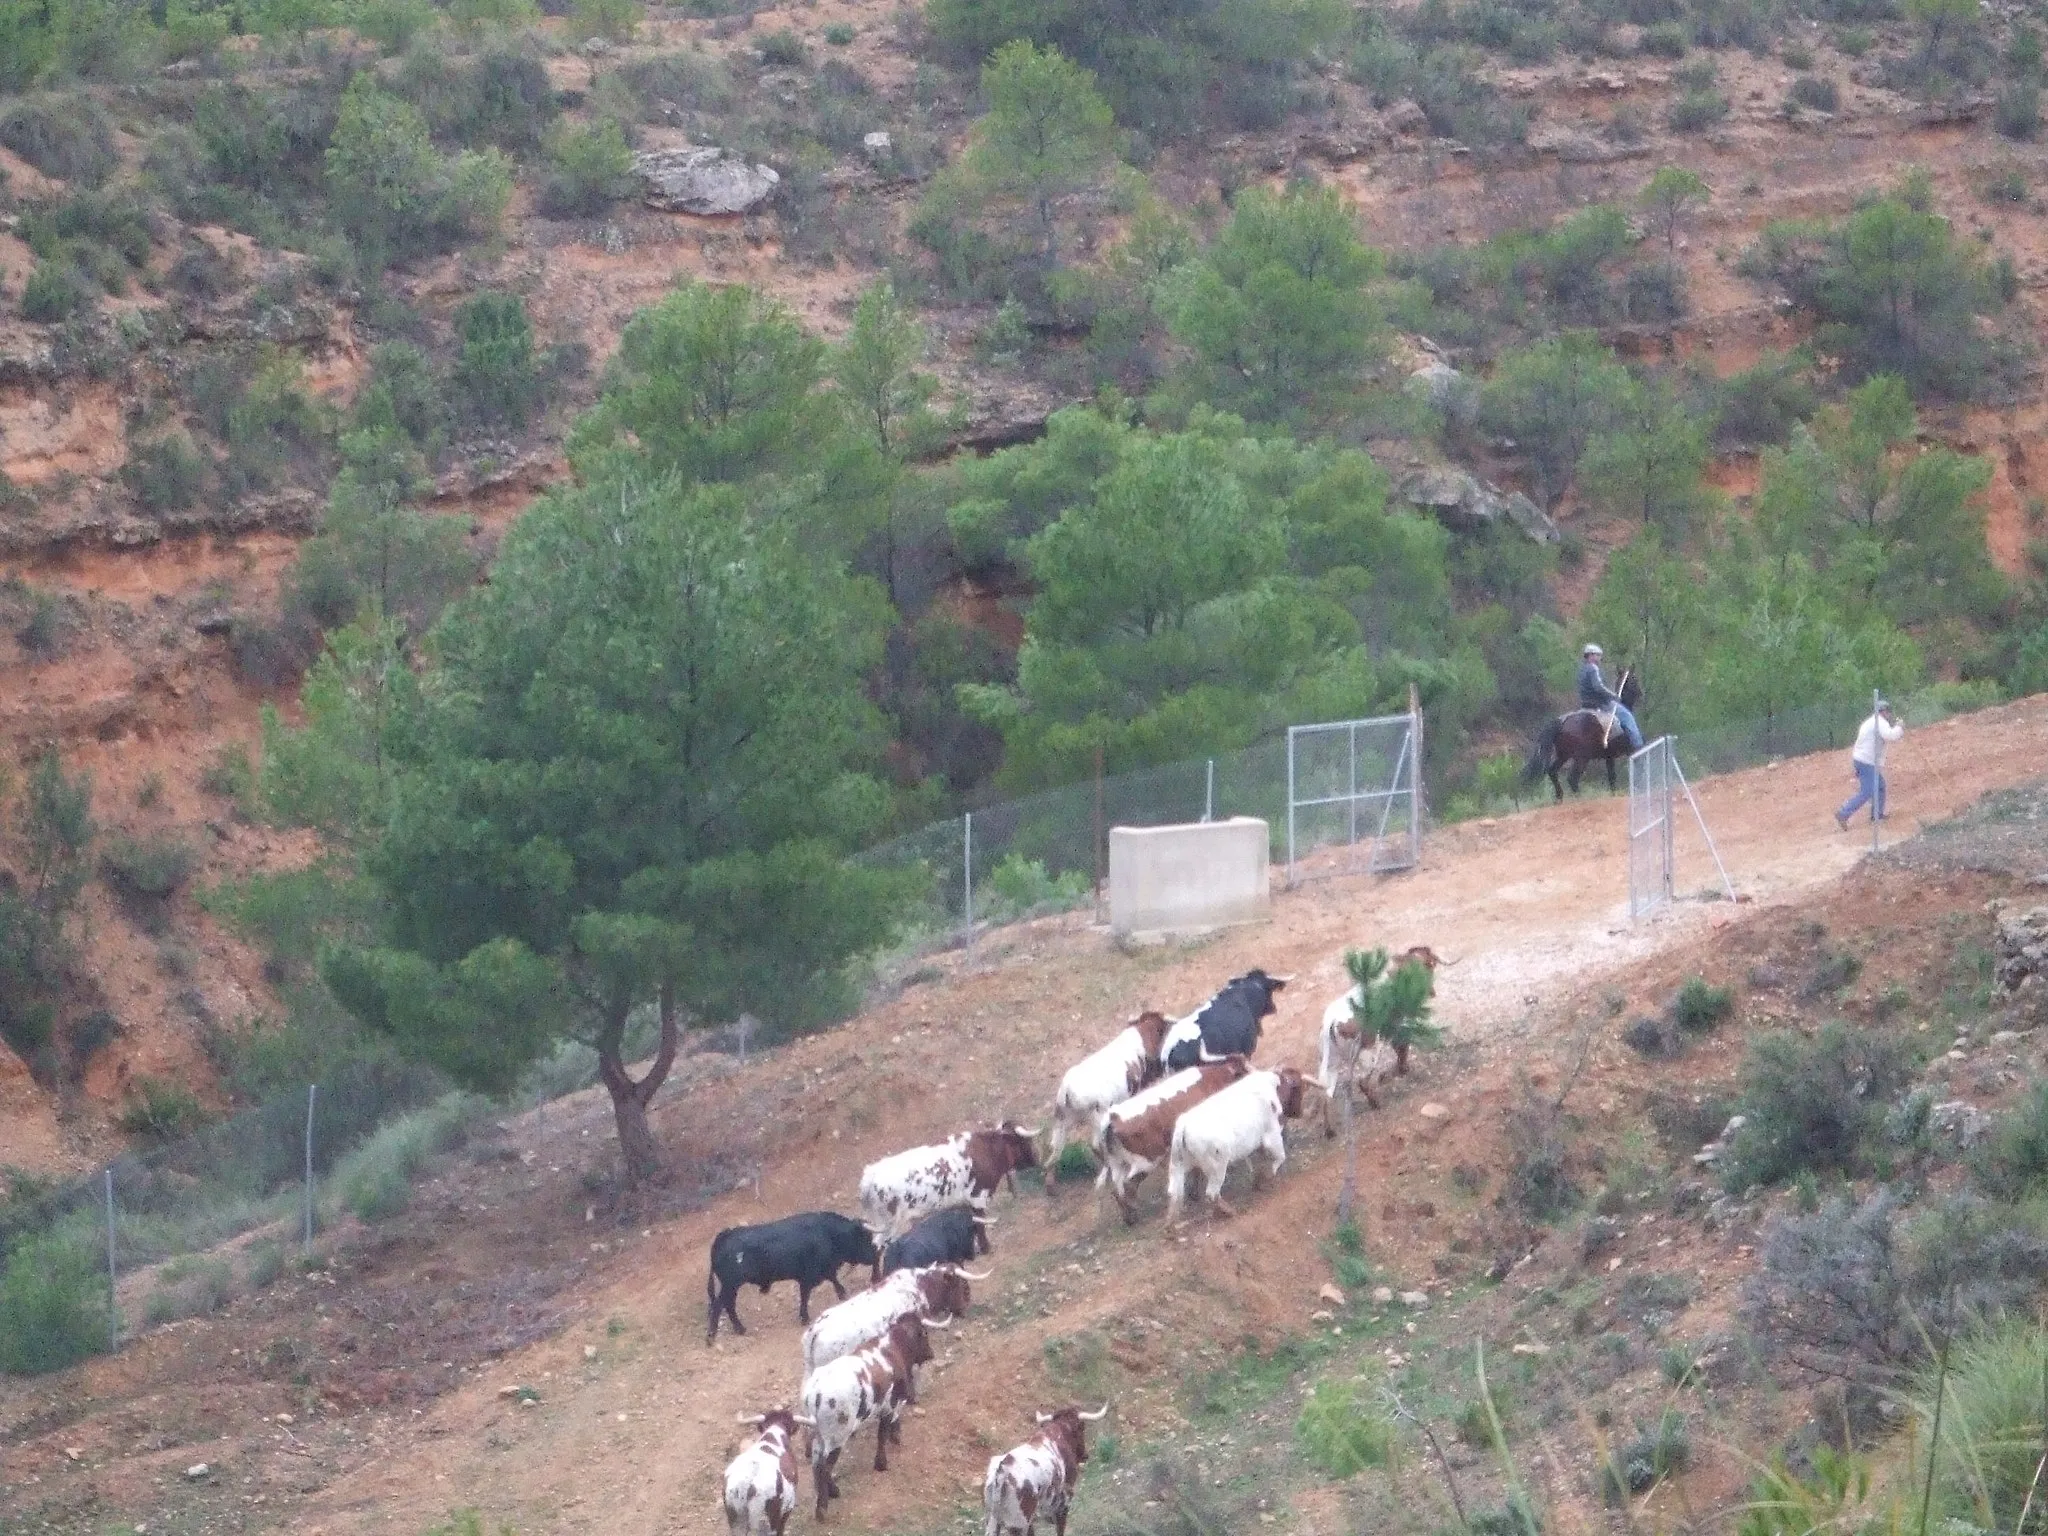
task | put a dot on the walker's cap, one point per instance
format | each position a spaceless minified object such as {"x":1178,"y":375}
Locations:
{"x":1885,"y":705}
{"x":1592,"y":650}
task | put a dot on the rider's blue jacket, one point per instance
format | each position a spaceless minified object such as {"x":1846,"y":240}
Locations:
{"x":1593,"y":690}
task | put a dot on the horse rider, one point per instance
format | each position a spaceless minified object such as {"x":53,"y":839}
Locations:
{"x":1594,"y":694}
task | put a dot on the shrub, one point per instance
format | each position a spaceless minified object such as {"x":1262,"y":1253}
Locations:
{"x":391,"y":24}
{"x":2008,"y":185}
{"x":160,"y":1111}
{"x":1539,"y":1180}
{"x":1797,"y":56}
{"x":1654,"y":294}
{"x":1700,"y":75}
{"x":1342,"y":1431}
{"x":1833,"y":970}
{"x":1992,"y":1427}
{"x":1696,"y":111}
{"x":616,"y":20}
{"x":1764,"y":402}
{"x":145,"y":873}
{"x":1647,"y":1460}
{"x":230,"y":774}
{"x":495,"y":374}
{"x":189,"y":1287}
{"x":839,"y":34}
{"x":2017,"y":113}
{"x":1811,"y":1103}
{"x":55,"y":291}
{"x":1020,"y":887}
{"x":1666,"y":39}
{"x":1816,"y":92}
{"x":165,"y":474}
{"x":784,"y":49}
{"x":42,"y":633}
{"x":67,"y":137}
{"x":375,"y":1180}
{"x":263,"y":1262}
{"x":204,"y":271}
{"x":1700,"y":1005}
{"x":1649,"y":1037}
{"x":2013,"y":1160}
{"x":1853,"y":42}
{"x":589,"y":169}
{"x":53,"y":1307}
{"x":1074,"y":1162}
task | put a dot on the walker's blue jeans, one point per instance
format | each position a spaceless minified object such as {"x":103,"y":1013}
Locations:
{"x":1869,"y":787}
{"x":1627,"y":721}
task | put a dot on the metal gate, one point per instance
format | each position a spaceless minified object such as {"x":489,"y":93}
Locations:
{"x":1353,"y":780}
{"x":1650,"y":775}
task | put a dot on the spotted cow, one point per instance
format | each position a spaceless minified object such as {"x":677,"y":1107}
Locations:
{"x":1036,"y":1479}
{"x":898,"y":1191}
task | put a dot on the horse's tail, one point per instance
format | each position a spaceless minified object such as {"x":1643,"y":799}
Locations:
{"x":1541,"y":755}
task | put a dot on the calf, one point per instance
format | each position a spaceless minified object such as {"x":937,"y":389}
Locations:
{"x":877,"y":1383}
{"x":962,"y":1170}
{"x":1340,"y":1023}
{"x":760,"y":1482}
{"x":1037,"y":1477}
{"x":944,"y":1237}
{"x":1138,"y":1133}
{"x":1231,"y":1125}
{"x":939,"y":1291}
{"x":1226,"y":1025}
{"x":809,"y":1249}
{"x":1097,"y":1084}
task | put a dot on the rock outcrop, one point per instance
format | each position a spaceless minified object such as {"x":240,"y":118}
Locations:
{"x":702,"y":179}
{"x":1465,"y":501}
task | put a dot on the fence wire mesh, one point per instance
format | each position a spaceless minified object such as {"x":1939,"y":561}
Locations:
{"x":1650,"y":874}
{"x":1354,"y":782}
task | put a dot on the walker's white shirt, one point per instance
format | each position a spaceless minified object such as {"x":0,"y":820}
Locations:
{"x":1870,"y":740}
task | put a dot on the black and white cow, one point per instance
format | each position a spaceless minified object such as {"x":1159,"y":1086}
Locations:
{"x":809,"y":1249}
{"x":1226,"y":1025}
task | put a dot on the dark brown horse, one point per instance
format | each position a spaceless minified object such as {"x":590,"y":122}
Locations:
{"x":1579,"y":738}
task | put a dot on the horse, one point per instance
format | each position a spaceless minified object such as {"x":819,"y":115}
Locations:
{"x":1578,"y":738}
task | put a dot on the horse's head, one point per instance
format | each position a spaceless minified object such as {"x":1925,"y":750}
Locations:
{"x":1631,"y":689}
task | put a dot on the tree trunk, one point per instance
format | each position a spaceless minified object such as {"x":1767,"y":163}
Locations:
{"x":637,"y":1146}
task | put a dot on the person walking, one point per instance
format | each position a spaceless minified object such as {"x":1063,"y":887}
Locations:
{"x":1867,"y":758}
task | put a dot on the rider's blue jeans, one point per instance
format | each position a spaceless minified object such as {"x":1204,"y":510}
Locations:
{"x":1627,"y":722}
{"x":1869,"y":787}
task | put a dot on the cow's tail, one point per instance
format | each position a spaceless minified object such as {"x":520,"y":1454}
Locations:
{"x":1541,"y":754}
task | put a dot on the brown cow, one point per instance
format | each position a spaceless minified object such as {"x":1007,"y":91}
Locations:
{"x":877,"y":1383}
{"x":1037,"y":1477}
{"x":1138,"y":1133}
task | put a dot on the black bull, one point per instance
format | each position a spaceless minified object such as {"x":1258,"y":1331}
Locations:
{"x":1579,"y":738}
{"x":808,"y":1249}
{"x":945,"y":1237}
{"x":1228,"y":1024}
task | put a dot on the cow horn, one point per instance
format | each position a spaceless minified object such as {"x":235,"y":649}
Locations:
{"x":933,"y":1322}
{"x":968,"y":1274}
{"x":807,"y":1423}
{"x":986,"y":1221}
{"x":1447,"y":964}
{"x":1027,"y":1130}
{"x":1095,"y":1417}
{"x":752,"y":1418}
{"x":1043,"y":1418}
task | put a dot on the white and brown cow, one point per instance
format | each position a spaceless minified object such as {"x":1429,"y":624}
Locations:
{"x":760,"y":1482}
{"x":1037,"y":1478}
{"x":964,"y":1169}
{"x":938,"y":1290}
{"x":877,"y":1382}
{"x":1138,"y":1133}
{"x":1372,"y":1061}
{"x":1228,"y":1127}
{"x":1098,"y":1083}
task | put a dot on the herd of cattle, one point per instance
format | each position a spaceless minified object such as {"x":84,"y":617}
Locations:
{"x":1182,"y":1092}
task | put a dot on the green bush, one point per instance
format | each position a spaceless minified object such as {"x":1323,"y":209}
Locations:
{"x":67,"y":137}
{"x":393,"y":195}
{"x":145,"y":873}
{"x":2008,"y":185}
{"x":190,"y":1286}
{"x":1342,"y":1431}
{"x":499,"y":97}
{"x":839,"y":34}
{"x":1696,"y":111}
{"x":1992,"y":1427}
{"x":53,"y":1306}
{"x":589,"y":169}
{"x":391,"y":24}
{"x":375,"y":1180}
{"x":1813,"y":1103}
{"x":784,"y":49}
{"x":1700,"y":1005}
{"x":1816,"y":92}
{"x":2017,"y":112}
{"x":160,"y":1111}
{"x":55,"y":291}
{"x":1652,"y":1456}
{"x":1797,"y":56}
{"x":2012,"y":1162}
{"x":616,"y":20}
{"x":42,"y":633}
{"x":165,"y":474}
{"x":262,"y":1263}
{"x":1075,"y":1162}
{"x":1019,"y":887}
{"x":1666,"y":39}
{"x":495,"y":374}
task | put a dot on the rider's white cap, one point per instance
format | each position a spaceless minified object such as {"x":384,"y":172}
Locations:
{"x":1592,"y":650}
